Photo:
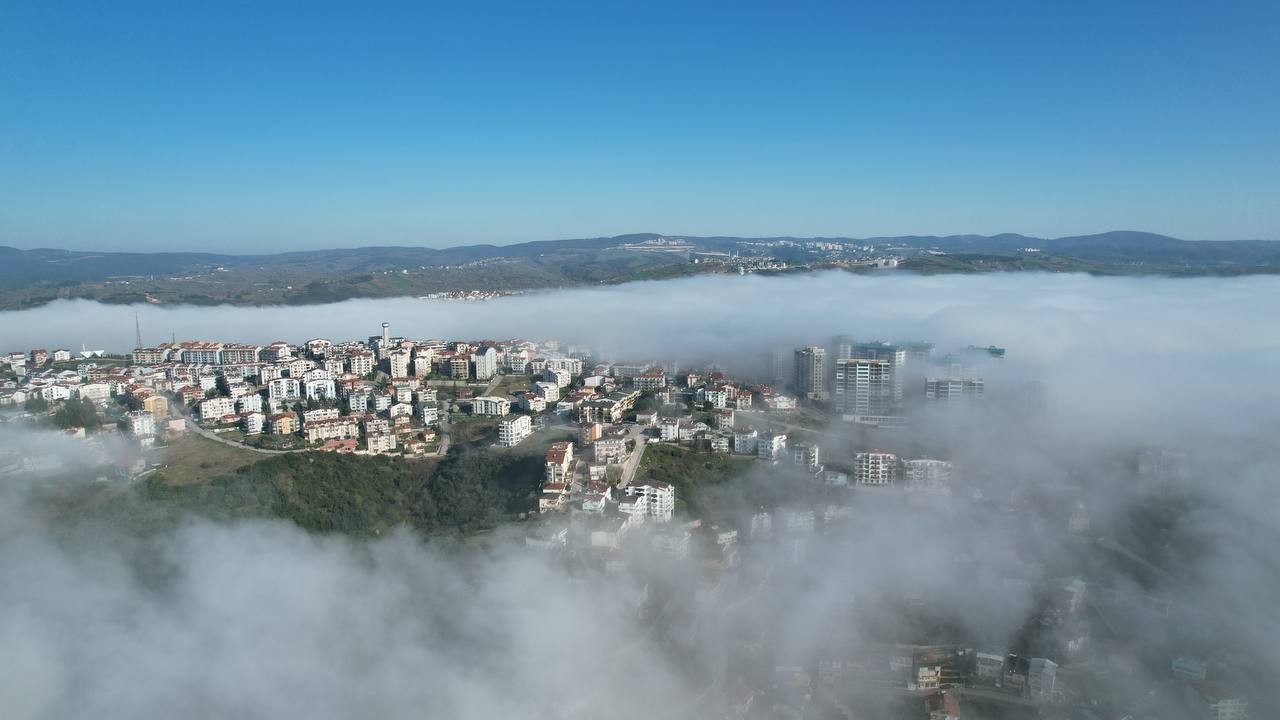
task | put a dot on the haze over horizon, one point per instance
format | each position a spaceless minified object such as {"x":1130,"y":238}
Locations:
{"x":181,"y":127}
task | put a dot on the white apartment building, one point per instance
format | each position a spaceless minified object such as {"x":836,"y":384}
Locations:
{"x":429,"y":413}
{"x":651,"y":380}
{"x":746,"y":442}
{"x":490,"y":405}
{"x":561,"y":378}
{"x":486,"y":362}
{"x":894,"y":355}
{"x":559,"y":462}
{"x":320,"y":389}
{"x":398,"y":362}
{"x":807,"y":455}
{"x":771,"y":446}
{"x":609,"y":450}
{"x":532,"y":402}
{"x":548,"y":390}
{"x":865,"y":387}
{"x":335,"y":429}
{"x":717,"y":399}
{"x":284,"y":388}
{"x":216,"y":408}
{"x":380,"y":443}
{"x":876,"y":467}
{"x":513,"y":430}
{"x":953,"y":390}
{"x":248,"y":404}
{"x":253,"y":422}
{"x":318,"y":414}
{"x":360,"y":363}
{"x":669,"y":429}
{"x":142,"y":424}
{"x":931,"y":476}
{"x":657,"y":498}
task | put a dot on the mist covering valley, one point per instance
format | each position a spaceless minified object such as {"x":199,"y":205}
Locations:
{"x":260,"y":619}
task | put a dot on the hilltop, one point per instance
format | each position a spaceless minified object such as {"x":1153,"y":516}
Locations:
{"x":34,"y":277}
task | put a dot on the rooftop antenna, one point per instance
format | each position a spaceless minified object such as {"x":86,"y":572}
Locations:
{"x":137,"y":328}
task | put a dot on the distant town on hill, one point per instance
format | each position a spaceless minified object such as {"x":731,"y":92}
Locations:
{"x":34,"y":277}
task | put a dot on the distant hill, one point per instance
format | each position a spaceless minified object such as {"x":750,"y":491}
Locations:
{"x":31,"y":277}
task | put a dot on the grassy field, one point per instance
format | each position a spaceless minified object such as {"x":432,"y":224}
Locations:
{"x":197,"y":459}
{"x":512,"y":384}
{"x":694,"y":474}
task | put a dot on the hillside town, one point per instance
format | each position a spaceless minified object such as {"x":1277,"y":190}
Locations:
{"x":830,"y":419}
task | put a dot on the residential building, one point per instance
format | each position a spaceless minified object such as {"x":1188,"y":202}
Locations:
{"x":249,"y":403}
{"x":332,"y":429}
{"x":668,"y":429}
{"x":318,"y":387}
{"x":275,"y":352}
{"x":746,"y":442}
{"x":216,"y":408}
{"x":1226,"y":708}
{"x":1041,"y":678}
{"x":318,"y":414}
{"x":561,"y":378}
{"x":929,"y":476}
{"x":573,"y":366}
{"x":142,"y":424}
{"x":157,"y":405}
{"x":284,"y":388}
{"x":953,"y":390}
{"x":811,"y":372}
{"x":771,"y":446}
{"x":609,"y":450}
{"x":864,"y":387}
{"x":894,"y":355}
{"x":237,"y":354}
{"x":876,"y":467}
{"x":486,"y":362}
{"x":649,"y":380}
{"x":549,"y":391}
{"x":559,"y":462}
{"x":282,"y":424}
{"x":807,"y":455}
{"x":429,"y":413}
{"x":360,"y":363}
{"x":514,"y":429}
{"x":200,"y":353}
{"x":531,"y":402}
{"x":460,"y":367}
{"x":398,"y":363}
{"x":378,"y":443}
{"x":590,"y":433}
{"x":657,"y":498}
{"x":252,"y":422}
{"x":490,"y":405}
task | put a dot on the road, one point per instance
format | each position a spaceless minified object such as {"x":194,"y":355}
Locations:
{"x":632,"y":463}
{"x":216,"y":438}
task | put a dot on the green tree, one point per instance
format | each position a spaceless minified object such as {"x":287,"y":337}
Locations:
{"x":77,"y":413}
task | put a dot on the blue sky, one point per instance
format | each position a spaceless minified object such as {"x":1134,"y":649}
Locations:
{"x":253,"y":127}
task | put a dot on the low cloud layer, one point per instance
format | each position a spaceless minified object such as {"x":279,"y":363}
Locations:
{"x":263,"y":620}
